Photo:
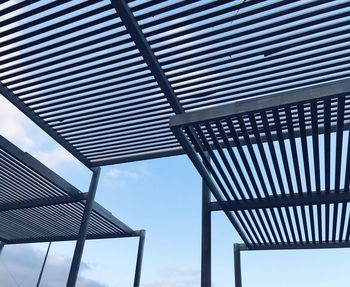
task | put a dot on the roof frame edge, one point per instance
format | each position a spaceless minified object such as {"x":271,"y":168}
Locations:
{"x":11,"y":97}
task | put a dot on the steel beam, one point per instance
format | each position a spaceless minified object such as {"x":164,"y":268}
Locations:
{"x":206,"y":177}
{"x":42,"y":202}
{"x":142,"y":44}
{"x":237,"y":265}
{"x":79,"y":247}
{"x":43,"y":266}
{"x":282,"y":201}
{"x":140,"y":156}
{"x":294,"y":246}
{"x":2,"y":245}
{"x":340,"y":87}
{"x":139,"y":258}
{"x":9,"y":95}
{"x":68,"y":238}
{"x":206,"y":237}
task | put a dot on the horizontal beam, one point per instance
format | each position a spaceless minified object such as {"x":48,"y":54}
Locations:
{"x":281,"y":201}
{"x":300,"y":245}
{"x":138,"y":157}
{"x":69,"y":238}
{"x":42,"y":202}
{"x":245,"y":106}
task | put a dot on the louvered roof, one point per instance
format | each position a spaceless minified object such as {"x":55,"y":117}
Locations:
{"x":36,"y":205}
{"x":278,"y":166}
{"x":103,"y":78}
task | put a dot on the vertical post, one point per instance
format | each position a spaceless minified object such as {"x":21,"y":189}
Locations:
{"x":206,"y":237}
{"x":43,"y":266}
{"x":139,"y":258}
{"x":2,"y":244}
{"x":79,"y":247}
{"x":237,"y":265}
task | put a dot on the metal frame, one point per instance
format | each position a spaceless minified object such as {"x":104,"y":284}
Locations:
{"x":102,"y":119}
{"x":266,"y":218}
{"x":33,"y":199}
{"x":98,"y":116}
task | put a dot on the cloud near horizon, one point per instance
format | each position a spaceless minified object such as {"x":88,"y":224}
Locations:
{"x":20,"y":266}
{"x":177,"y":277}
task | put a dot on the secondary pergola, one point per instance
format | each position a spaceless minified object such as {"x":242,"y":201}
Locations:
{"x":37,"y":205}
{"x":103,"y":78}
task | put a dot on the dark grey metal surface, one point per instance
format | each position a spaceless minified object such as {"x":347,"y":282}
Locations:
{"x":43,"y":265}
{"x":83,"y":230}
{"x":237,"y":265}
{"x":137,"y":279}
{"x":206,"y":238}
{"x":36,"y":205}
{"x":289,"y":186}
{"x":104,"y":87}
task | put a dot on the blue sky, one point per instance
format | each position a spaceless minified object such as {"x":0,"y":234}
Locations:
{"x":163,"y":197}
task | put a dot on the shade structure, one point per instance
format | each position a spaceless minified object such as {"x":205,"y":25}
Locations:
{"x":279,"y":165}
{"x":103,"y":78}
{"x":36,"y":205}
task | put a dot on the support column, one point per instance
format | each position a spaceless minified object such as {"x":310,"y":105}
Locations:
{"x":79,"y":247}
{"x":43,"y":266}
{"x":206,"y":237}
{"x":2,"y":244}
{"x":139,"y":258}
{"x":237,"y":265}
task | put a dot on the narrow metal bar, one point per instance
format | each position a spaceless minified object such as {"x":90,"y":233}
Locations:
{"x":327,"y":161}
{"x":206,"y":237}
{"x":338,"y":159}
{"x":299,"y":245}
{"x":237,"y":265}
{"x":2,"y":245}
{"x":198,"y":146}
{"x":205,"y":175}
{"x":283,"y":98}
{"x":288,"y":201}
{"x":294,"y":152}
{"x":78,"y":252}
{"x":141,"y":43}
{"x":43,"y":266}
{"x":139,"y":258}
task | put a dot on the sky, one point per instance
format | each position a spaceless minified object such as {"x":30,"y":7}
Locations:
{"x":163,"y":197}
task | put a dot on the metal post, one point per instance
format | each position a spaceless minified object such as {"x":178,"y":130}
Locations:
{"x":79,"y":247}
{"x":206,"y":237}
{"x":2,"y":244}
{"x":237,"y":265}
{"x":43,"y":266}
{"x":139,"y":258}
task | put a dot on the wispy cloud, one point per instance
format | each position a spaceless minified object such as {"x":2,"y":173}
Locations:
{"x":20,"y":266}
{"x":120,"y":177}
{"x":177,"y":277}
{"x":13,"y":125}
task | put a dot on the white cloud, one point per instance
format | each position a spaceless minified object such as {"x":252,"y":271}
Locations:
{"x":20,"y":266}
{"x":13,"y":125}
{"x":126,"y":174}
{"x":120,"y":177}
{"x":55,"y":158}
{"x":177,"y":277}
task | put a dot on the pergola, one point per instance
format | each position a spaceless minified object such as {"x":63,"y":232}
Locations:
{"x":259,"y":90}
{"x":37,"y":205}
